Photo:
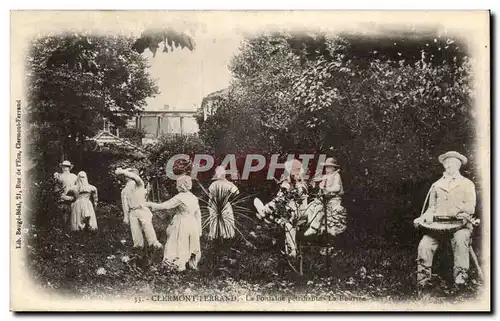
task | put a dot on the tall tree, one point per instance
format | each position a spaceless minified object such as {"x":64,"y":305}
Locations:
{"x":386,"y":107}
{"x":74,"y":81}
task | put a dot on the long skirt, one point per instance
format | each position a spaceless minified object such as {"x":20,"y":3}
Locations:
{"x":336,"y":216}
{"x":221,"y":225}
{"x":80,"y":210}
{"x":183,"y":242}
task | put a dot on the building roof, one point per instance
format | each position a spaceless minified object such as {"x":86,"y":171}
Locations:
{"x":104,"y":136}
{"x":219,"y":93}
{"x":223,"y":93}
{"x":165,"y":111}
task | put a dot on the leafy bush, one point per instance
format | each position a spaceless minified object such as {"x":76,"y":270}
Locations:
{"x":134,"y":135}
{"x":167,"y":146}
{"x":386,"y":108}
{"x":91,"y":265}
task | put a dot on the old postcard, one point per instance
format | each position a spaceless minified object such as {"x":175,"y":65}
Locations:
{"x":250,"y":160}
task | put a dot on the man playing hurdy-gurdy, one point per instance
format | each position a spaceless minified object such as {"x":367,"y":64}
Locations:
{"x":451,"y":196}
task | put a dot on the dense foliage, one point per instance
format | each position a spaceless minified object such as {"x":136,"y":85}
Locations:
{"x":132,"y":134}
{"x":171,"y":39}
{"x":89,"y":265}
{"x":386,"y":108}
{"x":66,"y":105}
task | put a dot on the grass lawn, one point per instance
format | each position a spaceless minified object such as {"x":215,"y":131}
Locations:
{"x":88,"y":265}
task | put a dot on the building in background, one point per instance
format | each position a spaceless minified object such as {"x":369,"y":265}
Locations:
{"x":210,"y":103}
{"x":110,"y":135}
{"x":164,"y":121}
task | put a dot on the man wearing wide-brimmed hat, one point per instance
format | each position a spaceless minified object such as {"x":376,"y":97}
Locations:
{"x":66,"y":181}
{"x":66,"y":178}
{"x":452,"y":196}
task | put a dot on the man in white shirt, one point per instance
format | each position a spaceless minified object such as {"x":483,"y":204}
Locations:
{"x":452,"y":195}
{"x":135,"y":212}
{"x":65,"y":180}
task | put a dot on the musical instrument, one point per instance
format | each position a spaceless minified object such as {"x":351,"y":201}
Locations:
{"x":446,"y":224}
{"x":441,"y":223}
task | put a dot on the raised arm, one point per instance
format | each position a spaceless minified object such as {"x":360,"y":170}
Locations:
{"x":125,"y":206}
{"x":137,"y":179}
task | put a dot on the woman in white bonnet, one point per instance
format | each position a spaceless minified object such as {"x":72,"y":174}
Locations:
{"x":184,"y":231}
{"x":331,"y":191}
{"x":221,"y":225}
{"x":82,"y":208}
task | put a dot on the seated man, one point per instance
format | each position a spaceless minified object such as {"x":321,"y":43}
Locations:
{"x":454,"y":196}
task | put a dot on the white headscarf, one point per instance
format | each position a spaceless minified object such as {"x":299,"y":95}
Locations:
{"x":184,"y":183}
{"x":82,"y":183}
{"x":220,"y":173}
{"x":294,"y":167}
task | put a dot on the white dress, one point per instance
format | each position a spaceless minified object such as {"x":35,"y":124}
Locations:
{"x":82,"y":208}
{"x":331,"y":189}
{"x":184,"y":231}
{"x":221,"y":225}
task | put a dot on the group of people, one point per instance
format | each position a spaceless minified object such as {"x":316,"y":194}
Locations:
{"x":182,"y":248}
{"x":452,"y":196}
{"x":291,"y":209}
{"x":77,"y":198}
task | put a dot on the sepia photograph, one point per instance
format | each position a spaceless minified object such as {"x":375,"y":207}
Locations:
{"x":250,"y":161}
